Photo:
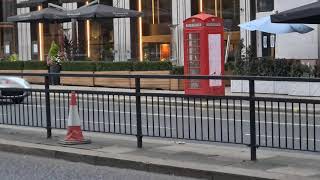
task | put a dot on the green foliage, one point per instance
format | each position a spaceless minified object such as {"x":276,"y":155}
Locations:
{"x":11,"y":65}
{"x":177,"y":70}
{"x":78,"y":66}
{"x":270,"y":67}
{"x":281,"y":67}
{"x":316,"y":70}
{"x":54,"y":50}
{"x":300,"y":70}
{"x":152,"y":66}
{"x":35,"y":65}
{"x":13,"y":57}
{"x":114,"y":66}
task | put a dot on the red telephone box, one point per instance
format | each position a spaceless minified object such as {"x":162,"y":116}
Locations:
{"x":204,"y":54}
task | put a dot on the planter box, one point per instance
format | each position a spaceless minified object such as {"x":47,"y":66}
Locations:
{"x":281,"y":87}
{"x":113,"y":82}
{"x":299,"y":89}
{"x":78,"y":81}
{"x":152,"y":83}
{"x":11,"y":71}
{"x":239,"y":86}
{"x":35,"y":79}
{"x":304,"y":89}
{"x":314,"y":89}
{"x":177,"y":84}
{"x":278,"y":87}
{"x":236,"y":86}
{"x":263,"y":87}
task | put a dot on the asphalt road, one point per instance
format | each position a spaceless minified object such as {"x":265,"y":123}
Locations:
{"x":187,"y":120}
{"x":21,"y":167}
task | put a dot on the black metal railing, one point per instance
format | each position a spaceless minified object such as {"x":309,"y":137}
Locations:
{"x":248,"y":119}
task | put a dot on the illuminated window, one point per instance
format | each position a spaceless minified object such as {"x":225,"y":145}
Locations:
{"x":156,"y":34}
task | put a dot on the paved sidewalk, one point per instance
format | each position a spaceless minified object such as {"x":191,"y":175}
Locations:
{"x":208,"y":161}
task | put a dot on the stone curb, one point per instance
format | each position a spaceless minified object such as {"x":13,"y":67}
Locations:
{"x":93,"y":158}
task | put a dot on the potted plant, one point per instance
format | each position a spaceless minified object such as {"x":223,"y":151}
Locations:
{"x":54,"y":60}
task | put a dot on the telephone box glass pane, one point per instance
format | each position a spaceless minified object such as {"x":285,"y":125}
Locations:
{"x":194,"y":58}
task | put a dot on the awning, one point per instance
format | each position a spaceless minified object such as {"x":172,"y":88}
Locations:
{"x":307,"y":14}
{"x":30,"y":3}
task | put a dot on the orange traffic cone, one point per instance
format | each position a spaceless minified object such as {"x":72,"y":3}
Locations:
{"x":74,"y":135}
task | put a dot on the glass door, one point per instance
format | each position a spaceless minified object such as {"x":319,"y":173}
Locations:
{"x":193,"y":43}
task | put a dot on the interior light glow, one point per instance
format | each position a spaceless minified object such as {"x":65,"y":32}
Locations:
{"x":140,"y":31}
{"x":88,"y":35}
{"x":40,"y":34}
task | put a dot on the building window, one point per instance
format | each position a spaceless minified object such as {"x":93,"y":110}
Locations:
{"x":156,"y":34}
{"x":265,"y":5}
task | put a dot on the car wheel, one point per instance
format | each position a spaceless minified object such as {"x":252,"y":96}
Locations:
{"x":17,"y":100}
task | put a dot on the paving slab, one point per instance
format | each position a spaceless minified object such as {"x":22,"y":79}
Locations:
{"x":168,"y":156}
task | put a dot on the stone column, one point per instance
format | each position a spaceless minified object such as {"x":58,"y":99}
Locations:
{"x":181,"y":10}
{"x":122,"y":36}
{"x":24,"y":36}
{"x":245,"y":17}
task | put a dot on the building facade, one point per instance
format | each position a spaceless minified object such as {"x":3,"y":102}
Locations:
{"x":156,"y":36}
{"x":289,"y":46}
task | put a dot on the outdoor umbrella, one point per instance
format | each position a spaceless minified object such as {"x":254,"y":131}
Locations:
{"x":265,"y":25}
{"x":53,"y":13}
{"x":95,"y":10}
{"x":307,"y":14}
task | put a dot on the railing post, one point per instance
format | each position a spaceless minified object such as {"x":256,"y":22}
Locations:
{"x":138,"y":112}
{"x":48,"y":112}
{"x":253,"y":144}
